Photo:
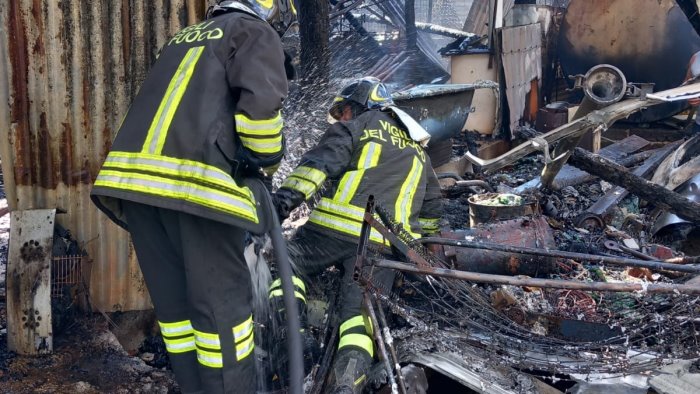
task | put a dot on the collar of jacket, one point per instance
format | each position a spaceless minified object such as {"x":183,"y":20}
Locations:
{"x":415,"y":130}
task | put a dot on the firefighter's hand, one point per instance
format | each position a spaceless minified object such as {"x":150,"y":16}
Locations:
{"x":694,"y":102}
{"x":283,"y":209}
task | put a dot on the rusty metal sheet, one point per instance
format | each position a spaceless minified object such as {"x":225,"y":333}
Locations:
{"x":69,"y":70}
{"x":522,"y":64}
{"x":29,"y":282}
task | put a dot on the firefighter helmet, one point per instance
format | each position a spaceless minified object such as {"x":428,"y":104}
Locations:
{"x":368,"y":92}
{"x":278,"y":13}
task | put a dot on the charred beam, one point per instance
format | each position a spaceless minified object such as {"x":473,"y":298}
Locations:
{"x":542,"y":283}
{"x":411,"y":32}
{"x":443,"y":31}
{"x":622,"y":261}
{"x":619,"y":176}
{"x":313,"y":33}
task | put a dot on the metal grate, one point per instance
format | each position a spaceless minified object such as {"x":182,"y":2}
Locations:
{"x":66,"y":272}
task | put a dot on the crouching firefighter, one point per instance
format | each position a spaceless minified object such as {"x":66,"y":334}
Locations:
{"x":206,"y":119}
{"x":373,"y":148}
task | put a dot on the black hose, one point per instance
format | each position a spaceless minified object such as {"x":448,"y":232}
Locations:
{"x":294,"y":346}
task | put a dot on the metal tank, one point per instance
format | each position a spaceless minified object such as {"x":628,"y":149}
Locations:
{"x":649,"y":40}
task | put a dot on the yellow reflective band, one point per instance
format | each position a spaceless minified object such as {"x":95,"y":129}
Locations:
{"x":310,"y":174}
{"x":280,"y":293}
{"x":295,"y":279}
{"x":305,"y":180}
{"x":261,"y":128}
{"x":242,"y":330}
{"x":408,"y":191}
{"x":307,"y":188}
{"x":171,"y":100}
{"x":342,"y":223}
{"x":210,"y":359}
{"x":357,"y":321}
{"x":360,"y":380}
{"x":177,"y":328}
{"x":369,"y":157}
{"x":244,"y":348}
{"x":359,"y":340}
{"x":263,"y":145}
{"x":207,"y":340}
{"x":145,"y":162}
{"x":180,"y":190}
{"x":429,"y":224}
{"x":294,"y":9}
{"x":181,"y":345}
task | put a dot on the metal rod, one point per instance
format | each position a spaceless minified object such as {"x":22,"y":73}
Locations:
{"x":321,"y":374}
{"x":380,"y":342}
{"x":654,"y":265}
{"x":411,"y":254}
{"x":543,"y":283}
{"x":390,"y":343}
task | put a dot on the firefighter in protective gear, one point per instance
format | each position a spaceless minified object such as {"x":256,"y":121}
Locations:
{"x":206,"y":118}
{"x":367,"y":152}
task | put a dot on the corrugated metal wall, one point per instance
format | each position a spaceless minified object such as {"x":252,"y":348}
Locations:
{"x":68,"y":71}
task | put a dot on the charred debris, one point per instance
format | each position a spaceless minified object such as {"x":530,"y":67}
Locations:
{"x":568,"y":254}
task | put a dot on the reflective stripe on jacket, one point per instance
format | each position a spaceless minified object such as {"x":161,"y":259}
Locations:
{"x":209,"y":107}
{"x":370,"y":155}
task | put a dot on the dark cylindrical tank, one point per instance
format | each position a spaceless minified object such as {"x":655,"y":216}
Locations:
{"x":649,"y":40}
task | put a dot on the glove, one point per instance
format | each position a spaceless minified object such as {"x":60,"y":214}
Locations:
{"x":283,"y":209}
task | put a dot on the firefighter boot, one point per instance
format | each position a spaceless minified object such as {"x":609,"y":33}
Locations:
{"x":350,"y":371}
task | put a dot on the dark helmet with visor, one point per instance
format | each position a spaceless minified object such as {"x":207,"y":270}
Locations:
{"x":367,"y":92}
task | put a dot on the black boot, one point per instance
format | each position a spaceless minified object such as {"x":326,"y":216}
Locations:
{"x":350,"y":370}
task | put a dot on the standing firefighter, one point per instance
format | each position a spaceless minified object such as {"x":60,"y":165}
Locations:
{"x":372,"y":150}
{"x":206,"y":118}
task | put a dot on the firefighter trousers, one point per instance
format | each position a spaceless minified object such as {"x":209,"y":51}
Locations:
{"x":201,"y":290}
{"x":311,"y":252}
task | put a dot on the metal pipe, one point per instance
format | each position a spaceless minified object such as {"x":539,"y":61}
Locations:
{"x":443,"y":31}
{"x":534,"y":282}
{"x":654,"y":265}
{"x":380,"y":342}
{"x":390,"y":343}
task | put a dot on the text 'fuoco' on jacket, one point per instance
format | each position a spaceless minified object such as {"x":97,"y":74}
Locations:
{"x":370,"y":155}
{"x":210,"y":103}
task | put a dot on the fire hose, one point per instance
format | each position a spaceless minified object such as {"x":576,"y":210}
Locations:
{"x":294,"y":345}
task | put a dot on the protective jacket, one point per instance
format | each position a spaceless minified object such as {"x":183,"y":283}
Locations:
{"x":369,"y":155}
{"x":208,"y":110}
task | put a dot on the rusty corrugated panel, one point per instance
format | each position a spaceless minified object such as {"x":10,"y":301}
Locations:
{"x":69,"y":71}
{"x":522,"y":64}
